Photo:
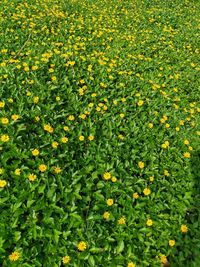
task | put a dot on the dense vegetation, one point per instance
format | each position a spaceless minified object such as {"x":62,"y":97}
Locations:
{"x":99,"y":133}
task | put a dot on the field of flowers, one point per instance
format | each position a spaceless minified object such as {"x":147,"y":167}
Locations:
{"x":99,"y":133}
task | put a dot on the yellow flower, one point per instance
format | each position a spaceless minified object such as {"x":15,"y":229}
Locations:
{"x":54,"y":78}
{"x":42,"y":167}
{"x":135,"y":195}
{"x":1,"y":170}
{"x":37,"y":118}
{"x":66,"y":128}
{"x":149,"y":222}
{"x":171,"y":243}
{"x":167,"y":125}
{"x":32,"y":177}
{"x":114,"y":179}
{"x":15,"y":117}
{"x":120,"y":136}
{"x":165,"y":144}
{"x":82,"y":246}
{"x":35,"y":152}
{"x":122,"y":115}
{"x":5,"y":138}
{"x":57,"y":170}
{"x":14,"y":256}
{"x":186,"y":142}
{"x":166,"y":173}
{"x":64,"y":139}
{"x":54,"y":144}
{"x":141,"y":165}
{"x":48,"y":128}
{"x":140,"y":103}
{"x":66,"y":259}
{"x":81,"y":137}
{"x":90,"y":137}
{"x":150,"y":125}
{"x":3,"y":183}
{"x":122,"y":220}
{"x":184,"y":228}
{"x":34,"y":67}
{"x":4,"y":121}
{"x":110,"y":202}
{"x":35,"y":99}
{"x":17,"y":172}
{"x":131,"y":264}
{"x":163,"y":259}
{"x":2,"y":104}
{"x":71,"y":118}
{"x":186,"y":155}
{"x":106,"y":175}
{"x":146,"y":191}
{"x":151,"y":178}
{"x":106,"y":215}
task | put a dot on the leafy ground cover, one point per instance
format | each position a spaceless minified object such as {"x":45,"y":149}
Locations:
{"x":99,"y":133}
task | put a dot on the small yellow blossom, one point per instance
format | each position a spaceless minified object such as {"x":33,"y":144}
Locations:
{"x":146,"y":191}
{"x":186,"y":142}
{"x":2,"y":104}
{"x":82,"y":246}
{"x":114,"y":179}
{"x":151,"y":178}
{"x":3,"y":183}
{"x":66,"y":128}
{"x":15,"y":117}
{"x":35,"y":99}
{"x":163,"y":259}
{"x":186,"y":155}
{"x":81,"y":138}
{"x":35,"y":152}
{"x":66,"y":259}
{"x":48,"y":128}
{"x":171,"y":242}
{"x":57,"y":170}
{"x":141,"y":165}
{"x":184,"y":228}
{"x":42,"y":167}
{"x":71,"y":118}
{"x":135,"y":195}
{"x":166,"y":173}
{"x":64,"y":139}
{"x":107,"y":176}
{"x":106,"y":215}
{"x":5,"y":138}
{"x":150,"y":125}
{"x":149,"y":222}
{"x":54,"y":144}
{"x":4,"y":120}
{"x":14,"y":256}
{"x":110,"y":202}
{"x":122,"y":220}
{"x":17,"y":172}
{"x":140,"y":103}
{"x":32,"y":177}
{"x":90,"y":137}
{"x":131,"y":264}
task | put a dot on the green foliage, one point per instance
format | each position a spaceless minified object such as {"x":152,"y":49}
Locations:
{"x":99,"y":133}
